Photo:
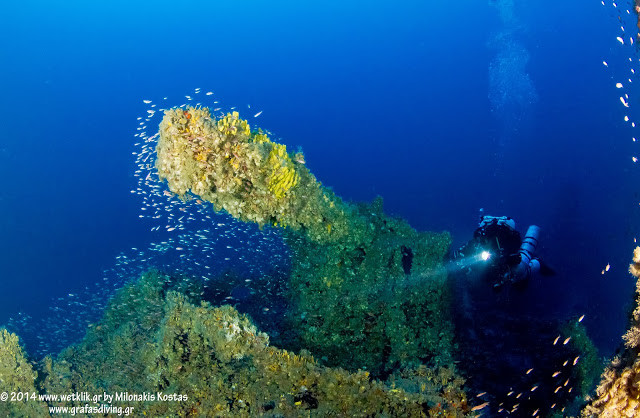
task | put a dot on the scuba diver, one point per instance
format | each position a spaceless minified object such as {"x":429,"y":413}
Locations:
{"x":500,"y":332}
{"x":499,"y":255}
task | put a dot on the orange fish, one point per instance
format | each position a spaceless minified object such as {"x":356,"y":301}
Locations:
{"x":479,"y":407}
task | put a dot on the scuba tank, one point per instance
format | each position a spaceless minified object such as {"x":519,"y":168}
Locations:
{"x":528,"y":264}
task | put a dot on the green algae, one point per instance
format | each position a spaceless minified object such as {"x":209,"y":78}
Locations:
{"x":357,"y":307}
{"x":367,"y":290}
{"x":17,"y":379}
{"x":168,"y":341}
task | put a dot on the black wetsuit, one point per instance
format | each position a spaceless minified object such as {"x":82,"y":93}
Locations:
{"x":503,"y":244}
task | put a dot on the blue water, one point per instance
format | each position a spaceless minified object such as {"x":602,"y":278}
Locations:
{"x":386,"y":98}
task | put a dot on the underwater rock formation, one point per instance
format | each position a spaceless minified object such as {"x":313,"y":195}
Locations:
{"x":157,"y":337}
{"x":249,"y":176}
{"x":618,"y":394}
{"x":368,"y":328}
{"x":382,"y":305}
{"x":366,"y":290}
{"x":17,"y":379}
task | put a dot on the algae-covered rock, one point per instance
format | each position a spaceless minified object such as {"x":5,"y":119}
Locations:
{"x":155,"y":337}
{"x":589,"y":366}
{"x":380,"y":305}
{"x":366,"y":290}
{"x":618,"y":394}
{"x":17,"y":380}
{"x":366,"y":293}
{"x":247,"y":175}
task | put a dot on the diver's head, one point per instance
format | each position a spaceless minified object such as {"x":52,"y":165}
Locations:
{"x":487,"y":220}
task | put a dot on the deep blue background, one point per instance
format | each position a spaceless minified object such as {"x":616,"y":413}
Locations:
{"x":386,"y":98}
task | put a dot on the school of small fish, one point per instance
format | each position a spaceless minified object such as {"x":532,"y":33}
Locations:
{"x":626,"y":41}
{"x":217,"y":243}
{"x":187,"y":238}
